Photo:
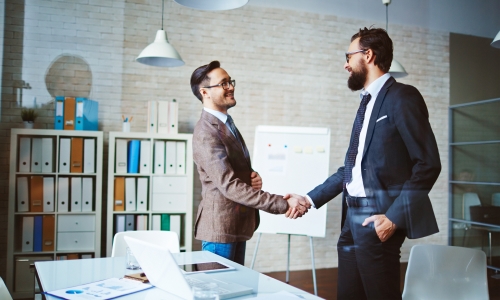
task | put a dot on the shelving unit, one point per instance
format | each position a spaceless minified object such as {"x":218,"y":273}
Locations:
{"x":166,"y":188}
{"x":41,"y":227}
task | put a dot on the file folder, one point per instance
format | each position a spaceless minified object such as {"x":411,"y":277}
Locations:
{"x":87,"y":193}
{"x":129,"y":222}
{"x":133,"y":156}
{"x":170,"y":157}
{"x":36,"y":155}
{"x":76,"y":155}
{"x":119,"y":223}
{"x":79,"y":114}
{"x":69,"y":113}
{"x":145,"y":157}
{"x":47,"y":155}
{"x":86,"y":114}
{"x":152,"y":116}
{"x":159,"y":167}
{"x":62,"y":194}
{"x":163,"y":117}
{"x":142,"y":194}
{"x":24,"y":154}
{"x":27,"y":234}
{"x":173,"y":111}
{"x":156,"y":222}
{"x":119,"y":204}
{"x":76,"y":194}
{"x":130,"y":195}
{"x":121,"y":156}
{"x":175,"y":224}
{"x":88,"y":156}
{"x":181,"y":158}
{"x":59,"y":113}
{"x":37,"y":234}
{"x":36,"y":194}
{"x":165,"y":222}
{"x":48,"y":232}
{"x":48,"y":194}
{"x":141,"y":222}
{"x":23,"y":203}
{"x":64,"y":155}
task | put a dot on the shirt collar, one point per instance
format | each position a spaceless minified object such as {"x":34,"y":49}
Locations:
{"x":374,"y":88}
{"x":219,"y":115}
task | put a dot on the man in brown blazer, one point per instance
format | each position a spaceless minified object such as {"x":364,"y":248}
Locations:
{"x":231,"y":190}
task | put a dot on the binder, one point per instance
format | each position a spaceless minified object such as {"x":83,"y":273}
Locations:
{"x":62,"y":194}
{"x":181,"y":158}
{"x":86,"y":114}
{"x":47,"y":155}
{"x":142,"y":194}
{"x":24,"y":154}
{"x":23,"y":203}
{"x":119,"y":204}
{"x":165,"y":222}
{"x":48,"y":232}
{"x":173,"y":111}
{"x":170,"y":157}
{"x":175,"y":224}
{"x":152,"y":116}
{"x":119,"y":223}
{"x":48,"y":194}
{"x":129,"y":222}
{"x":156,"y":222}
{"x":76,"y":165}
{"x":133,"y":156}
{"x":130,"y":195}
{"x":163,"y":117}
{"x":36,"y":155}
{"x":121,"y":156}
{"x":69,"y":113}
{"x":88,"y":156}
{"x":27,"y":234}
{"x":36,"y":194}
{"x":87,"y":193}
{"x":141,"y":222}
{"x":79,"y":114}
{"x":64,"y":155}
{"x":159,"y":167}
{"x":37,"y":234}
{"x":59,"y":113}
{"x":76,"y":194}
{"x":145,"y":157}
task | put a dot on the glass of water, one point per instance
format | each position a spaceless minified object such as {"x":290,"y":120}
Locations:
{"x":207,"y":291}
{"x":132,"y":263}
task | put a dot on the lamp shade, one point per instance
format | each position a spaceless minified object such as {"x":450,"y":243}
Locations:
{"x":213,"y":4}
{"x":160,"y":53}
{"x":397,"y":70}
{"x":496,"y":41}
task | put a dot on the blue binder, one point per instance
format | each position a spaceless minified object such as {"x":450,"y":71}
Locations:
{"x":59,"y":113}
{"x":86,"y":114}
{"x":37,"y":234}
{"x":133,"y":156}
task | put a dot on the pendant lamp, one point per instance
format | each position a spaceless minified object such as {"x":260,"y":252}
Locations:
{"x":397,"y":70}
{"x":496,"y":41}
{"x":160,"y":53}
{"x":213,"y":4}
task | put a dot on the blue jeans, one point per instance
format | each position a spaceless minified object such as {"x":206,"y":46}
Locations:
{"x":232,"y":251}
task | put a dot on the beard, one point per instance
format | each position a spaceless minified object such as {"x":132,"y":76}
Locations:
{"x":357,"y":80}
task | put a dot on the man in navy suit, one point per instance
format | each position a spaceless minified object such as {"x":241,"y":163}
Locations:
{"x":390,"y":167}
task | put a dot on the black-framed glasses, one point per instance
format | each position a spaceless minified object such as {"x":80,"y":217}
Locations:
{"x":224,"y":85}
{"x":348,"y":54}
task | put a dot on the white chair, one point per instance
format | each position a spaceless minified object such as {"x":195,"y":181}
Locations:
{"x":167,"y":239}
{"x":4,"y":292}
{"x":495,"y":199}
{"x":445,"y":272}
{"x":470,"y":199}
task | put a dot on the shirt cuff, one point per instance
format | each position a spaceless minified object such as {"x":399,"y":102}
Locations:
{"x":310,"y":200}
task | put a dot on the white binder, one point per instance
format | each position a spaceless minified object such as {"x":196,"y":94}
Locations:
{"x":64,"y":155}
{"x":88,"y":156}
{"x":173,"y":110}
{"x":141,"y":222}
{"x":120,"y":223}
{"x":121,"y":156}
{"x":145,"y":158}
{"x":27,"y":235}
{"x":130,"y":195}
{"x":62,"y":194}
{"x":175,"y":224}
{"x":152,"y":116}
{"x":159,"y":167}
{"x":23,"y":203}
{"x":142,"y":194}
{"x":24,"y":154}
{"x":76,"y":194}
{"x":181,"y":158}
{"x":87,"y":192}
{"x":47,"y":155}
{"x":156,"y":224}
{"x":163,"y":117}
{"x":171,"y":156}
{"x":48,"y":194}
{"x":36,"y":155}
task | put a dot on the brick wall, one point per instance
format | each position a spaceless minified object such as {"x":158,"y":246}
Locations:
{"x":288,"y":66}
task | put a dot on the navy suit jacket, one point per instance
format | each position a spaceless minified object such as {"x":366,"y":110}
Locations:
{"x":400,"y":162}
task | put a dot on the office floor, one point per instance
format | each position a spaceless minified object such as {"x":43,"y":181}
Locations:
{"x":326,"y":280}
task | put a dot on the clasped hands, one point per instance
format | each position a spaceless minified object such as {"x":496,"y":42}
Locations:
{"x":297,"y":206}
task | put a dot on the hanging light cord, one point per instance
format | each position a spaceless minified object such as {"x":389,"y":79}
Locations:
{"x":162,"y":7}
{"x":386,"y":17}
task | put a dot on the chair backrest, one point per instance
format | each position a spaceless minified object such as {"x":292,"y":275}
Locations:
{"x":4,"y":292}
{"x":469,"y":200}
{"x":495,"y":199}
{"x":445,"y":272}
{"x":167,"y":239}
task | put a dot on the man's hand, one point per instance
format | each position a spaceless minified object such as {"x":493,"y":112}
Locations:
{"x":256,"y":180}
{"x":383,"y":226}
{"x":298,"y":206}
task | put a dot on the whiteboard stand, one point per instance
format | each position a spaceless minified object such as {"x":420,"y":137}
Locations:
{"x":287,"y":280}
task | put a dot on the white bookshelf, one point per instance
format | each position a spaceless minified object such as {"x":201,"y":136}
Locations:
{"x":175,"y":188}
{"x":75,"y":232}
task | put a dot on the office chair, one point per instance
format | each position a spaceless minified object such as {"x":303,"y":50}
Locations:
{"x":469,"y":199}
{"x":167,"y":239}
{"x":445,"y":272}
{"x":4,"y":292}
{"x":495,"y":199}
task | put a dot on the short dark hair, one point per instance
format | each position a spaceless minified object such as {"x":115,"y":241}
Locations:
{"x":379,"y":42}
{"x":200,"y":75}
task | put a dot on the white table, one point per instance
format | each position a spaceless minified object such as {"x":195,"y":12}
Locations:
{"x":54,"y":275}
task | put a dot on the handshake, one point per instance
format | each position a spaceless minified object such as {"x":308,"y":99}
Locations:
{"x":297,"y":206}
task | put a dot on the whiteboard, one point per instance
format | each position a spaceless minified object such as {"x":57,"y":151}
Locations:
{"x":292,"y":160}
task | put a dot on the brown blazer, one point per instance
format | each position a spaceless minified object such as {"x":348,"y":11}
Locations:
{"x":229,"y":208}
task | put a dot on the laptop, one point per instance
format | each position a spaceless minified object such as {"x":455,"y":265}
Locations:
{"x":485,"y":214}
{"x":163,"y":272}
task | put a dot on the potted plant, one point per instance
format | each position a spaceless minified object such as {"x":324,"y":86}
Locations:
{"x":28,"y":115}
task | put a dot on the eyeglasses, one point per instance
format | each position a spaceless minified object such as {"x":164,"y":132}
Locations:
{"x":348,"y":54}
{"x":224,"y":85}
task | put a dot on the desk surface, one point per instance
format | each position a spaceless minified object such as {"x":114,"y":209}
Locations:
{"x":54,"y":275}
